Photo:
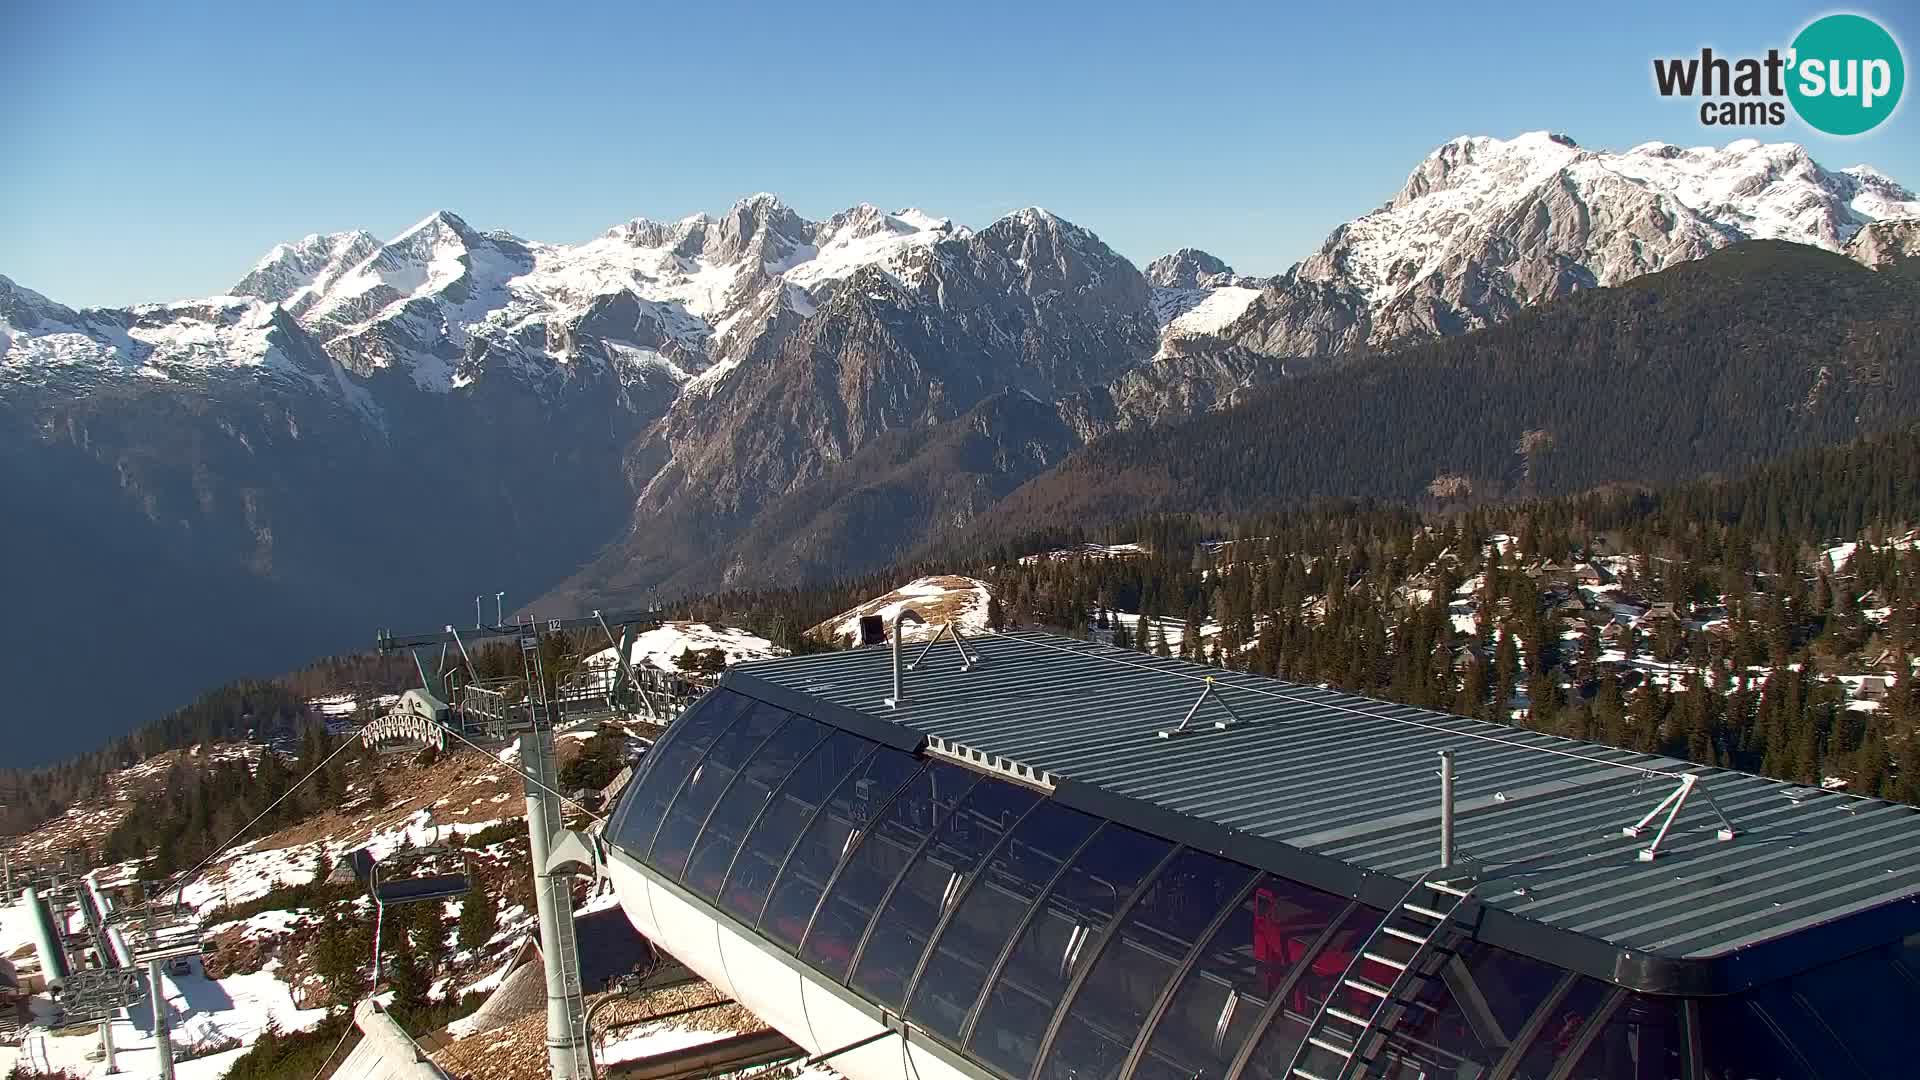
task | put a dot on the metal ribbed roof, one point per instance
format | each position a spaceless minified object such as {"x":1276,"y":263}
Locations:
{"x":1353,"y":779}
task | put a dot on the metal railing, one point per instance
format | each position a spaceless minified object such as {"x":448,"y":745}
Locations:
{"x":502,"y":705}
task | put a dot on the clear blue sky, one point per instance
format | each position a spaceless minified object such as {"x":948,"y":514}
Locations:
{"x":155,"y":150}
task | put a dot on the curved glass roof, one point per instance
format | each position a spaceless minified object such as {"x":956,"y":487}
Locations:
{"x":1338,"y":790}
{"x":1039,"y":940}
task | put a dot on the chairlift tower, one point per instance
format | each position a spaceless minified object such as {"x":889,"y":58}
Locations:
{"x":526,"y":709}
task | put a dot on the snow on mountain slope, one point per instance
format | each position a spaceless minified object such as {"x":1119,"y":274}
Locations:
{"x":443,"y":302}
{"x":865,"y":236}
{"x":1486,"y":226}
{"x":297,"y":275}
{"x":1195,"y":295}
{"x":1214,"y":311}
{"x":41,"y":340}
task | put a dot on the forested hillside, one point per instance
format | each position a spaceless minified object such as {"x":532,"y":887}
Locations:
{"x":237,"y":711}
{"x":1752,"y":353}
{"x":1733,"y":620}
{"x":1725,"y":622}
{"x":1767,"y":621}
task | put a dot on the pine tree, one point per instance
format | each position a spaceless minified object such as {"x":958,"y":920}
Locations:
{"x":405,"y":975}
{"x":336,"y":959}
{"x":479,"y":918}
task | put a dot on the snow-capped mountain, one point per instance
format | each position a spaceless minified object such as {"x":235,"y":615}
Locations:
{"x":1484,"y":227}
{"x":1195,"y":296}
{"x":299,"y":274}
{"x":443,"y":303}
{"x":372,"y":428}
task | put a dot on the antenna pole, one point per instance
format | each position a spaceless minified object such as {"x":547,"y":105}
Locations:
{"x":1446,"y":809}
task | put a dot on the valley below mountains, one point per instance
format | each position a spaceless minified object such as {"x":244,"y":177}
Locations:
{"x":367,"y":433}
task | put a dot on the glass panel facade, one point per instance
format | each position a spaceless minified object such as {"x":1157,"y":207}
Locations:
{"x":805,"y":832}
{"x":1511,"y":985}
{"x":932,"y":885}
{"x":1216,"y":1007}
{"x":1294,"y":1013}
{"x":793,"y":806}
{"x":720,"y":839}
{"x":1641,"y":1041}
{"x":1133,"y":970}
{"x":1063,"y":934}
{"x":1556,"y":1037}
{"x":1854,"y":1004}
{"x":1739,"y":1042}
{"x":668,"y":763}
{"x":1465,"y":1018}
{"x":878,"y":857}
{"x":818,"y":852}
{"x":992,"y":912}
{"x":708,"y":781}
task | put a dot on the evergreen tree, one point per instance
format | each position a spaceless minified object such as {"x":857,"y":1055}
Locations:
{"x":479,"y":918}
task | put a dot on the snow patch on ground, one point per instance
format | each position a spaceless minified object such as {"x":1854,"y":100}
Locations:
{"x":938,"y":599}
{"x":648,"y":1041}
{"x":204,"y":1011}
{"x":660,"y":648}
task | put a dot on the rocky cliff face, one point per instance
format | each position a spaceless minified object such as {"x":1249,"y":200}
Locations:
{"x":1880,"y":244}
{"x":1032,"y":306}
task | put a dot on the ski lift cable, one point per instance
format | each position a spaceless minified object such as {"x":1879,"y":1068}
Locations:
{"x":345,"y":1030}
{"x":180,"y":891}
{"x":529,"y":777}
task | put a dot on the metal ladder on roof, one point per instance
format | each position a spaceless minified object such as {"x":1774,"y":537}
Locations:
{"x":1413,"y":939}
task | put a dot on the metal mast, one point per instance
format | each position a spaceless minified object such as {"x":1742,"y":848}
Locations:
{"x":528,"y":715}
{"x":553,"y":890}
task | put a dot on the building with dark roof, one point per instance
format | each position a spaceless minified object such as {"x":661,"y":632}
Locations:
{"x":1070,"y":861}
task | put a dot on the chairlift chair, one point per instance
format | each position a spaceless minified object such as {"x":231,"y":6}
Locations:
{"x":409,"y":877}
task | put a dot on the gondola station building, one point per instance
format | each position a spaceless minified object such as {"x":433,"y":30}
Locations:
{"x":1024,"y":855}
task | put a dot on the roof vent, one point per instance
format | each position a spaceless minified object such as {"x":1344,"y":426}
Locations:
{"x":968,"y":657}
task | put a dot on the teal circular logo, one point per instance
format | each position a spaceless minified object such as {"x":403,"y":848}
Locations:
{"x":1847,"y":74}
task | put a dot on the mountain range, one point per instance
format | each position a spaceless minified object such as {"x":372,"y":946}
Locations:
{"x":367,"y":433}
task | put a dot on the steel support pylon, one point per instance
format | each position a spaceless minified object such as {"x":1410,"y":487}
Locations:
{"x":162,"y":1038}
{"x":553,"y":892}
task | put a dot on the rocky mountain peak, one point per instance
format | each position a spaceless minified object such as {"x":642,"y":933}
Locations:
{"x":1477,"y":161}
{"x":1188,"y":268}
{"x":24,"y":309}
{"x":759,"y":225}
{"x":865,"y":220}
{"x":306,"y":266}
{"x":440,"y":228}
{"x":1053,"y":257}
{"x":646,"y":233}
